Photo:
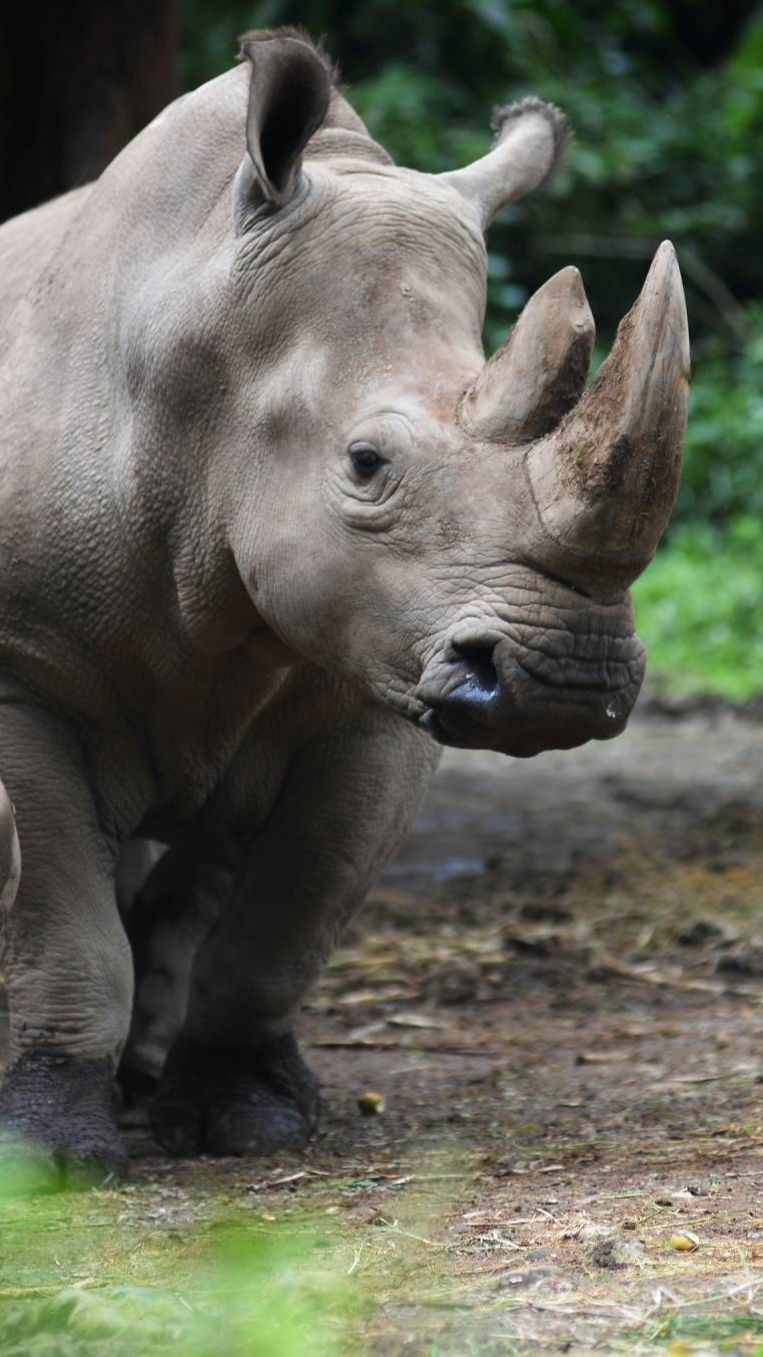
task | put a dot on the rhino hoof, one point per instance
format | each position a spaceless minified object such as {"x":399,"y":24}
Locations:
{"x":57,"y":1127}
{"x":235,"y":1100}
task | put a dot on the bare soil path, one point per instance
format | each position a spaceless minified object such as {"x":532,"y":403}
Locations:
{"x":557,"y":990}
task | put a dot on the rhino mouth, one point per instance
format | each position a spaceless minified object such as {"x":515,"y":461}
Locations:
{"x":455,"y":730}
{"x":521,"y":703}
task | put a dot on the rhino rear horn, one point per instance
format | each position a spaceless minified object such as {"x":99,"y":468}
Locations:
{"x":539,"y":372}
{"x":289,"y":93}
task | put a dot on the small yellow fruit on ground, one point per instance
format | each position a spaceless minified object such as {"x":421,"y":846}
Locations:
{"x":371,"y":1104}
{"x":685,"y":1242}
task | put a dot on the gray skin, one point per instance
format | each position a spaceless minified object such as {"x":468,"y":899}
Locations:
{"x":270,"y":524}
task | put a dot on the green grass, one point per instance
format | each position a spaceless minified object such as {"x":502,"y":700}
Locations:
{"x":699,"y":608}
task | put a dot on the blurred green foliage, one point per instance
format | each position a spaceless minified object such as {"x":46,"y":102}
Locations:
{"x":666,"y":101}
{"x":724,"y":445}
{"x":103,"y":1275}
{"x":698,"y":608}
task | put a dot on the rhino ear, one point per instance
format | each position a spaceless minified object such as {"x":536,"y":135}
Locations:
{"x":530,"y":137}
{"x":289,"y":92}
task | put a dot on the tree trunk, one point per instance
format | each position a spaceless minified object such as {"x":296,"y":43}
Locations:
{"x":78,"y":79}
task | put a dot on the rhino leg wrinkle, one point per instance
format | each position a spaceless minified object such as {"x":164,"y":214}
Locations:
{"x":274,"y":532}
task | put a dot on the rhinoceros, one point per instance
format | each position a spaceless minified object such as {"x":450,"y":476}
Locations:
{"x":274,"y":532}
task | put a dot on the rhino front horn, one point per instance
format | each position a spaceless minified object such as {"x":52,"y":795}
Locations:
{"x":605,"y":480}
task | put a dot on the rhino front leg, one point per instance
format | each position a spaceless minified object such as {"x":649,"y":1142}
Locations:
{"x":234,"y":1081}
{"x":66,"y":962}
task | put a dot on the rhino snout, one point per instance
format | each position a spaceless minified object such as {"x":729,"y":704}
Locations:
{"x":520,"y":700}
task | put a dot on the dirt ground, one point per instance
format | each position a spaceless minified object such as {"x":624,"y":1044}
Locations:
{"x":557,"y":991}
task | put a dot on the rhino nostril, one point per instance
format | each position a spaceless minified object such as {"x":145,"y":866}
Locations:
{"x":481,"y":674}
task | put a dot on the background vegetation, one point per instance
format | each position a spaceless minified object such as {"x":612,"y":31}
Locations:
{"x":666,"y":100}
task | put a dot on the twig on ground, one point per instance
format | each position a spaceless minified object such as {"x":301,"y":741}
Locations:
{"x":357,"y":1258}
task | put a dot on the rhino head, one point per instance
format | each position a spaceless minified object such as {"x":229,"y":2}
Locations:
{"x":458,"y":536}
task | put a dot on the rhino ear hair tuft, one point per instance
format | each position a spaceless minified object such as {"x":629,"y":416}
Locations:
{"x":289,"y":93}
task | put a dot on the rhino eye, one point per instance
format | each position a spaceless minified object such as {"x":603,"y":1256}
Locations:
{"x":365,"y":460}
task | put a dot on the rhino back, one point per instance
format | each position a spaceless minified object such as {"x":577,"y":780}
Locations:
{"x":29,"y":244}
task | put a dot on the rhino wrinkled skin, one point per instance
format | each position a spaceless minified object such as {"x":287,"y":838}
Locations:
{"x":273,"y":531}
